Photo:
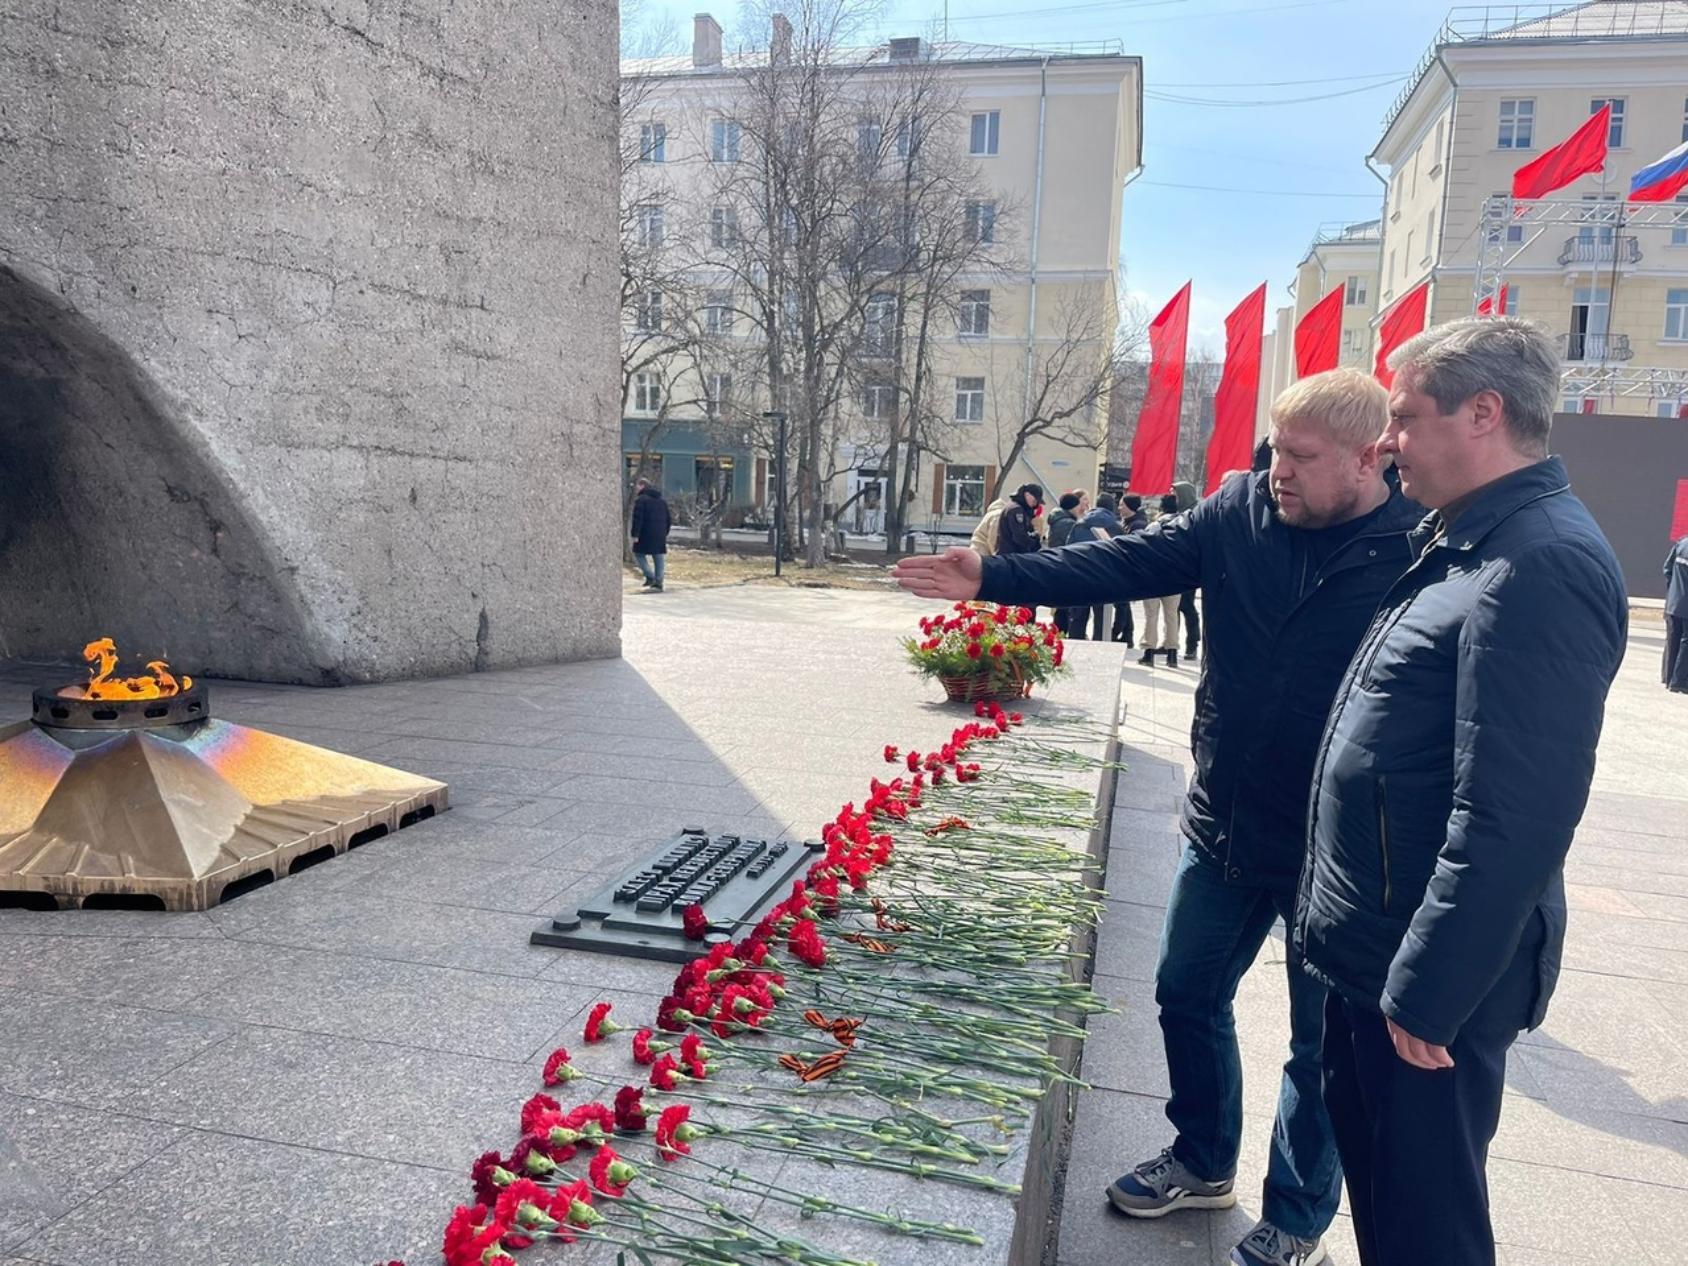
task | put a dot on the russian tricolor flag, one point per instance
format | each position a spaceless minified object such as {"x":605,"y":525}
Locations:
{"x":1663,"y":180}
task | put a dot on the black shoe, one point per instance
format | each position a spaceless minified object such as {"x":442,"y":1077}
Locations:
{"x":1190,"y":652}
{"x":1147,"y":658}
{"x":1172,"y":659}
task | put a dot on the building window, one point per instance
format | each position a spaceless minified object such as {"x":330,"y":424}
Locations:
{"x":724,"y":136}
{"x":714,"y":476}
{"x":879,"y":332}
{"x":984,"y":134}
{"x":717,"y":393}
{"x":1615,"y":133}
{"x":723,"y":226}
{"x":1351,"y":344}
{"x":877,"y":400}
{"x":649,"y":220}
{"x":1597,"y":220}
{"x":648,"y":314}
{"x":653,"y":143}
{"x":1409,"y":249}
{"x":1514,"y":230}
{"x":969,"y":399}
{"x":647,"y":393}
{"x":1429,"y":237}
{"x":1391,"y":270}
{"x":1591,"y":314}
{"x":718,"y":312}
{"x":650,"y":468}
{"x":1517,"y":124}
{"x":870,"y":135}
{"x":1676,"y":314}
{"x":981,"y":221}
{"x":1436,"y":150}
{"x":1679,"y":226}
{"x":1354,"y":294}
{"x":908,"y":140}
{"x":975,"y":319}
{"x":964,"y":491}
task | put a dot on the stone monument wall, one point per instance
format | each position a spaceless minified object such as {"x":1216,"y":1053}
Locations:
{"x":308,"y":333}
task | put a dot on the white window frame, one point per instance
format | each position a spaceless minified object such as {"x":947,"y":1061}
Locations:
{"x":1679,"y":227}
{"x":718,"y":312}
{"x":1676,"y":313}
{"x":723,"y":226}
{"x":1615,"y":132}
{"x":650,"y":221}
{"x":717,"y":391}
{"x":1354,"y":292}
{"x":653,"y":142}
{"x":1521,"y":116}
{"x":981,"y":221}
{"x":879,"y":325}
{"x":908,"y":140}
{"x":1685,"y":118}
{"x":956,"y":480}
{"x":726,"y":140}
{"x":878,"y":400}
{"x":984,"y":133}
{"x":647,"y":313}
{"x":969,"y":398}
{"x":647,"y":392}
{"x":973,"y":316}
{"x":870,"y":137}
{"x":1429,"y":238}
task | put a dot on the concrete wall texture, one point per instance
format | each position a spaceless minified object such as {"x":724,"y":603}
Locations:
{"x":308,"y":333}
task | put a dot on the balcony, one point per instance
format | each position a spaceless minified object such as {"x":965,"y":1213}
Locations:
{"x":1592,"y":252}
{"x":1581,"y":349}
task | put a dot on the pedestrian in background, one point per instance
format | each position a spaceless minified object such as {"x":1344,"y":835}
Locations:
{"x":1132,"y":519}
{"x":1455,"y":767}
{"x":1187,"y":498}
{"x":1072,"y":507}
{"x":1156,"y":610}
{"x":1676,"y":618}
{"x":651,"y":522}
{"x":1016,"y":532}
{"x":1101,"y":524}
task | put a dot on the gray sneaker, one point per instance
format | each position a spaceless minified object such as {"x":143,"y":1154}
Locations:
{"x":1160,"y":1186}
{"x":1268,"y":1246}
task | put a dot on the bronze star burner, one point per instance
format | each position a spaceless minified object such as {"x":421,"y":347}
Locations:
{"x":127,"y":789}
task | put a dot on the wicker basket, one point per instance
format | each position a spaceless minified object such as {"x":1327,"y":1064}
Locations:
{"x":981,"y":687}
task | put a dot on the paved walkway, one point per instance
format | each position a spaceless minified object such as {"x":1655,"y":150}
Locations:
{"x":1591,"y":1163}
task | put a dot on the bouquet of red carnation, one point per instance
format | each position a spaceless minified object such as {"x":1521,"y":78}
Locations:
{"x":980,"y":651}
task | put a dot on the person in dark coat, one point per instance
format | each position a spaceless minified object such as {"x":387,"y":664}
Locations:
{"x":1015,"y":531}
{"x":1101,"y":524}
{"x":1188,"y":614}
{"x":651,"y":522}
{"x":1132,"y":519}
{"x":1453,"y":771}
{"x":1293,"y":563}
{"x":1676,"y":618}
{"x":1073,"y":506}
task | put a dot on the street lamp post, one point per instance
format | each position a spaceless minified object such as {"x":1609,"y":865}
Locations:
{"x":777,"y":417}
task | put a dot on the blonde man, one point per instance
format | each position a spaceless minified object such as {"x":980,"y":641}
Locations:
{"x":1292,"y":562}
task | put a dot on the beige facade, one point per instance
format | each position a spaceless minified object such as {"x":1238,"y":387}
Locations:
{"x":1062,"y":135}
{"x":1492,"y":96}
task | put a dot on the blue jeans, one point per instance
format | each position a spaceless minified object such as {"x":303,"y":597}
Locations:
{"x":1212,"y":933}
{"x":651,"y":565}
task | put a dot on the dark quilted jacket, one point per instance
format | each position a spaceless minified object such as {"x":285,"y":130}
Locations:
{"x":1458,"y":756}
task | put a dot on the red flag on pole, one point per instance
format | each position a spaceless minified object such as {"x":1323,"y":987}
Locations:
{"x":1156,"y":444}
{"x":1317,"y":336}
{"x":1582,"y":152}
{"x":1495,"y":306}
{"x":1232,"y":444}
{"x":1401,"y":320}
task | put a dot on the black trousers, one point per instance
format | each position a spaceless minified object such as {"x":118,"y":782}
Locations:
{"x":1192,"y":622}
{"x":1676,"y":653}
{"x":1415,"y":1144}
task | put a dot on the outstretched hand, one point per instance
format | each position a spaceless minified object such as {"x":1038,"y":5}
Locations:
{"x":953,"y":575}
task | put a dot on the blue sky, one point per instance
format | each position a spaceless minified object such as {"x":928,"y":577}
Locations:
{"x":1304,"y":158}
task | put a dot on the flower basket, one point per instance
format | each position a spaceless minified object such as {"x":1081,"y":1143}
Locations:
{"x":981,"y":653}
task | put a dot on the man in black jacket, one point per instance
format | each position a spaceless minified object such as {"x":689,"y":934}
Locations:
{"x":1015,"y":532}
{"x":650,"y":533}
{"x":1454,"y":769}
{"x":1292,"y":565}
{"x":1676,"y":618}
{"x":1073,"y":506}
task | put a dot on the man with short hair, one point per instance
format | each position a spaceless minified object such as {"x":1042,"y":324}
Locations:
{"x":651,"y":522}
{"x":1451,"y":776}
{"x":1292,"y":563}
{"x":1099,"y":525}
{"x":1073,"y":506}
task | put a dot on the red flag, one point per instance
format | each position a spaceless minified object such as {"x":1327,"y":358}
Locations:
{"x":1232,"y":444}
{"x":1679,"y":514}
{"x":1156,"y":444}
{"x":1317,"y":336}
{"x":1584,"y":151}
{"x":1401,"y":320}
{"x":1495,"y":306}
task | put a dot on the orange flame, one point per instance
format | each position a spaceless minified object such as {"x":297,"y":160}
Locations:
{"x":158,"y":684}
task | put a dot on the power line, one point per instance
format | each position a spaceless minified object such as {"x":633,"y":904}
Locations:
{"x":1259,"y":193}
{"x":964,"y":19}
{"x":1179,"y":99}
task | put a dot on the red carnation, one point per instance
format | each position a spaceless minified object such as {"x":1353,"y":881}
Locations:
{"x":599,"y":1025}
{"x":602,"y":1178}
{"x":532,"y":1109}
{"x":695,"y":922}
{"x":974,"y":650}
{"x":1016,"y":718}
{"x":890,"y":754}
{"x":630,"y":1112}
{"x":662,"y":1073}
{"x":671,"y":1015}
{"x":998,"y":651}
{"x":642,"y":1053}
{"x":489,"y":1175}
{"x":557,"y":1068}
{"x":669,"y":1145}
{"x":470,"y":1234}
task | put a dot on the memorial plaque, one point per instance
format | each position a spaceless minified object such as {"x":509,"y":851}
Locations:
{"x":735,"y":878}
